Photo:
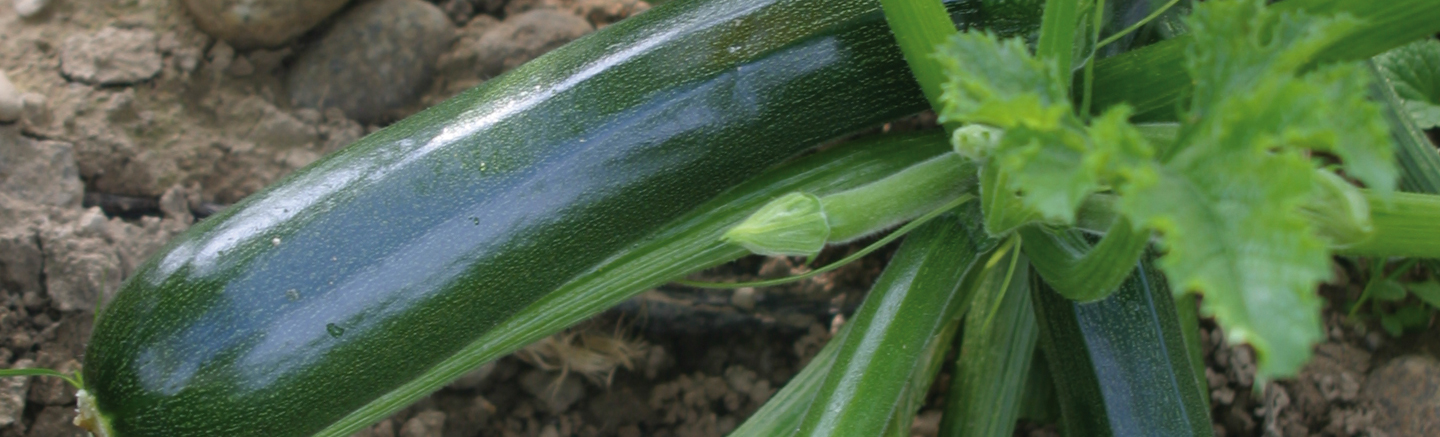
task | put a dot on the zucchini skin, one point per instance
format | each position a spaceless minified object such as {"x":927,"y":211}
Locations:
{"x":346,"y":279}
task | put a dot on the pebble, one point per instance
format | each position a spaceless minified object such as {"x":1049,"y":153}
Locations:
{"x":555,"y":396}
{"x":112,"y":56}
{"x":12,"y":103}
{"x":259,"y":23}
{"x":425,"y":424}
{"x":1406,"y":392}
{"x":12,"y":395}
{"x":525,"y":36}
{"x":41,"y":172}
{"x":377,"y":57}
{"x":30,"y":8}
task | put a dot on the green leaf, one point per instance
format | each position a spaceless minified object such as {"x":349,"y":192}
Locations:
{"x":1414,"y":71}
{"x":1244,"y":213}
{"x":1428,"y":291}
{"x":1386,"y":290}
{"x":1228,"y":198}
{"x":1413,"y":316}
{"x":1392,"y":325}
{"x":1045,"y":152}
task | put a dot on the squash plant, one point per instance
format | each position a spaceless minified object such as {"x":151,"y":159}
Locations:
{"x":1079,"y":198}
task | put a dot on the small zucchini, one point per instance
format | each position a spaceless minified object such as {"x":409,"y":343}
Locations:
{"x":349,"y":278}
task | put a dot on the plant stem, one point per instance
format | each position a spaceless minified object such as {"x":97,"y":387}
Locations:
{"x":1081,"y":272}
{"x":920,"y":26}
{"x":1406,"y":224}
{"x":1152,"y":78}
{"x":856,"y":213}
{"x":995,"y":356}
{"x":1057,"y":34}
{"x":916,"y":296}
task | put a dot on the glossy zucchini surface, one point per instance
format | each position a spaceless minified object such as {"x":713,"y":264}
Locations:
{"x":348,"y":278}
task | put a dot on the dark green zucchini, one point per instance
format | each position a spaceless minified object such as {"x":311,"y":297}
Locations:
{"x":345,"y":280}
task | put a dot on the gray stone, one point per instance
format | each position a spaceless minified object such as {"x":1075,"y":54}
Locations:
{"x":425,"y":424}
{"x":382,"y":429}
{"x":1406,"y":391}
{"x":259,"y":23}
{"x":37,"y":110}
{"x":21,"y":260}
{"x":80,"y":269}
{"x":175,"y":204}
{"x":39,"y":172}
{"x":474,"y":378}
{"x":378,"y":57}
{"x":12,"y":103}
{"x":112,"y":56}
{"x":514,"y":41}
{"x":556,"y":395}
{"x":30,"y":8}
{"x":12,"y":395}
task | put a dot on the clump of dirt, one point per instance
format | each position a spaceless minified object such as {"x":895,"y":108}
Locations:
{"x":1361,"y":381}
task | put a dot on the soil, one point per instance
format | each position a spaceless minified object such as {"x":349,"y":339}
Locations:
{"x":133,"y":123}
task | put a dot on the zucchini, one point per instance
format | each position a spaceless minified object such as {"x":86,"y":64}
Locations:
{"x":349,"y":278}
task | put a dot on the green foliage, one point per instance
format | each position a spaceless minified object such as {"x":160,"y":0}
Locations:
{"x":1229,"y":195}
{"x":1414,"y":71}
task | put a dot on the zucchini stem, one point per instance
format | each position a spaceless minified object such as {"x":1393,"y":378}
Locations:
{"x":847,"y":260}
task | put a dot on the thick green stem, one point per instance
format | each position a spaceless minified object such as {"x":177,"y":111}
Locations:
{"x":920,"y":26}
{"x":919,"y":293}
{"x":1057,"y":34}
{"x":1406,"y":224}
{"x":995,"y":356}
{"x":1153,"y":78}
{"x":1121,"y":365}
{"x":856,"y":213}
{"x":1081,"y":272}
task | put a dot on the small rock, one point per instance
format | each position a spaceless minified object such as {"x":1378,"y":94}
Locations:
{"x":517,"y":40}
{"x":459,"y":11}
{"x":37,"y":111}
{"x":12,"y":395}
{"x":259,"y":23}
{"x":79,"y":270}
{"x":425,"y":424}
{"x":112,"y":56}
{"x":54,"y":391}
{"x":56,"y":421}
{"x":474,"y":378}
{"x":221,"y":55}
{"x":12,"y":103}
{"x":175,"y":204}
{"x":21,"y":261}
{"x":598,"y":12}
{"x":744,"y":298}
{"x":30,"y":8}
{"x":382,"y":429}
{"x":377,"y":58}
{"x":1407,"y":393}
{"x":557,"y":396}
{"x":39,"y":172}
